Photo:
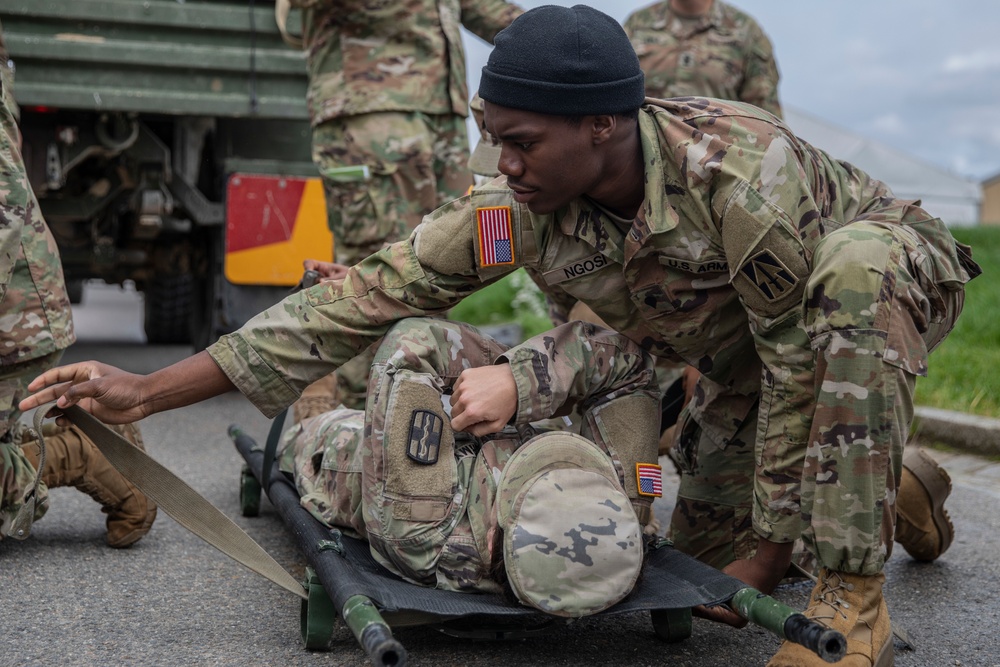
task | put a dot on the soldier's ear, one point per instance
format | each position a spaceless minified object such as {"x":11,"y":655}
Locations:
{"x":602,"y":127}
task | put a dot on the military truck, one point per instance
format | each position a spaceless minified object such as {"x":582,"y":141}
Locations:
{"x":168,"y":144}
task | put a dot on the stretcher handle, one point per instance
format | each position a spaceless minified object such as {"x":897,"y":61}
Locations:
{"x":374,"y":635}
{"x":787,"y":623}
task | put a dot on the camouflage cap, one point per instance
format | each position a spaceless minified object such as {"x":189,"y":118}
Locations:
{"x":572,"y":542}
{"x":486,"y":155}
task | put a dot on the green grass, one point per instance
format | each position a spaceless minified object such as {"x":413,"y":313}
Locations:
{"x":513,"y":299}
{"x":964,"y":371}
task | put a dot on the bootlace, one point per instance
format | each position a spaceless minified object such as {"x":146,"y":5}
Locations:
{"x":828,"y":597}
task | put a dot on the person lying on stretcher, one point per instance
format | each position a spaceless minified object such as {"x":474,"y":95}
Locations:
{"x":553,"y":520}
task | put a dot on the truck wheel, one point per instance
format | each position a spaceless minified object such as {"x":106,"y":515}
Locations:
{"x":168,"y":302}
{"x":204,"y":325}
{"x":74,"y":291}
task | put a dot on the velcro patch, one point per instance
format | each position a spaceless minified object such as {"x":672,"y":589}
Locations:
{"x":496,"y":237}
{"x":769,"y":275}
{"x":423,"y":444}
{"x":649,"y":478}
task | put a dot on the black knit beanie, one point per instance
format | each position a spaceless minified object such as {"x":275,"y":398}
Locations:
{"x":566,"y":61}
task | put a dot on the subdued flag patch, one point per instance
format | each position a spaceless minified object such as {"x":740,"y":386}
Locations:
{"x":495,"y":236}
{"x":649,"y":476}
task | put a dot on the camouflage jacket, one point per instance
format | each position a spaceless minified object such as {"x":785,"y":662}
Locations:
{"x":730,"y":195}
{"x":35,"y":315}
{"x":722,"y":54}
{"x":366,"y":56}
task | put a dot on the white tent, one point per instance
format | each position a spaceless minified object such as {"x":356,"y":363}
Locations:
{"x":952,"y":198}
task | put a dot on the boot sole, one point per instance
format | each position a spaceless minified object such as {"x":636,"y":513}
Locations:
{"x":937,"y":483}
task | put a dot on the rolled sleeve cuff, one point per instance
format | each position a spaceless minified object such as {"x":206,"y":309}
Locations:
{"x":776,"y":526}
{"x":530,"y":406}
{"x":246,"y":369}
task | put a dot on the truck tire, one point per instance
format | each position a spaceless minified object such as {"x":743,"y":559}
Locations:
{"x":168,"y":304}
{"x":74,"y":291}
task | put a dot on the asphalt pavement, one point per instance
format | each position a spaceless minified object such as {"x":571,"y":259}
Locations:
{"x":173,"y":600}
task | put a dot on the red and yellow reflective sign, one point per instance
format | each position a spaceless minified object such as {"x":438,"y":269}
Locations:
{"x":272,"y":224}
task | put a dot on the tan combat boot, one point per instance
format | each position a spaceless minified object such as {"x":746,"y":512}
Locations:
{"x":852,"y":604}
{"x":923,"y":526}
{"x":72,"y":459}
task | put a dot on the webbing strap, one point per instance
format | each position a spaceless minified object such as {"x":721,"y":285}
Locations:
{"x":271,"y":449}
{"x":180,"y":501}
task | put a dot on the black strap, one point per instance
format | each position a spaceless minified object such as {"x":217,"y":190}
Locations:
{"x":271,"y":448}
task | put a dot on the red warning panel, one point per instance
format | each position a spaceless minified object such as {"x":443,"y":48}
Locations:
{"x":272,"y":224}
{"x":261,"y":210}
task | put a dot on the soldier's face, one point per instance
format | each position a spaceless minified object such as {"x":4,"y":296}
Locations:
{"x":548,"y":161}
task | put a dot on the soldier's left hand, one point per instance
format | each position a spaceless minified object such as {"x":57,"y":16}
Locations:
{"x":483,"y":399}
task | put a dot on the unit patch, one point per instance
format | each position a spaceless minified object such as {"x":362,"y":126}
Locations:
{"x":424,"y":441}
{"x":649,"y":477}
{"x":496,"y":239}
{"x":767,"y":273}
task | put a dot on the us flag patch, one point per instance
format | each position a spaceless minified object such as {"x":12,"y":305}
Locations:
{"x":650,"y":479}
{"x":496,"y":242}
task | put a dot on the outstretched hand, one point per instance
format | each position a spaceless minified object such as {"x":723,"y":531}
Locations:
{"x":117,"y":397}
{"x":483,"y":399}
{"x":108,"y":393}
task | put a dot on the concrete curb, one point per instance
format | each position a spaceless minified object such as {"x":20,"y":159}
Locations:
{"x":972,"y":433}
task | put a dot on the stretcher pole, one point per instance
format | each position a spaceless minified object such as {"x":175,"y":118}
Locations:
{"x":787,"y":623}
{"x":359,"y":613}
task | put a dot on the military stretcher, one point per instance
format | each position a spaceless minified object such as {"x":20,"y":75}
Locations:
{"x":343,"y":579}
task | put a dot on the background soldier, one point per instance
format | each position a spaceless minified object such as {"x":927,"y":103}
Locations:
{"x":424,"y":495}
{"x":704,"y":231}
{"x":388,"y":93}
{"x":704,"y":48}
{"x":37,"y":326}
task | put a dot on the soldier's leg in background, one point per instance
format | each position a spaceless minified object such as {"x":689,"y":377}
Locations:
{"x":404,"y":171}
{"x":712,"y":517}
{"x":416,"y":163}
{"x":451,"y":156}
{"x":17,"y":475}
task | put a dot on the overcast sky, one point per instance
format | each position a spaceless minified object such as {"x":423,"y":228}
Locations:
{"x":920,"y":75}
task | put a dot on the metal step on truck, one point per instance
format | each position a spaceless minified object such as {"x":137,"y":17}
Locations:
{"x":168,"y":144}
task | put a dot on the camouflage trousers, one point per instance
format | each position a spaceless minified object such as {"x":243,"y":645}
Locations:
{"x":425,"y":504}
{"x":416,"y":163}
{"x":880,"y":298}
{"x":17,"y":475}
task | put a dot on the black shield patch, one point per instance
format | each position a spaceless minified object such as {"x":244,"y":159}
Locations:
{"x":771,"y":278}
{"x":424,"y":441}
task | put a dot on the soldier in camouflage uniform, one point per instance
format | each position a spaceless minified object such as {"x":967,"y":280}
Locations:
{"x":704,"y":48}
{"x":426,"y":497}
{"x":35,"y":327}
{"x":388,"y":93}
{"x":703,"y":230}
